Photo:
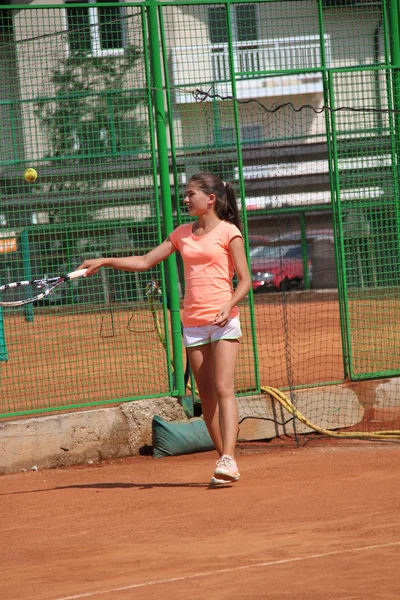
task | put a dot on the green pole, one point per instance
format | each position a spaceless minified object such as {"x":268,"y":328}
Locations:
{"x":394,"y":43}
{"x":216,"y":121}
{"x":26,"y":261}
{"x":165,"y":188}
{"x":242,"y":189}
{"x":304,"y":250}
{"x":334,"y":184}
{"x":395,"y":54}
{"x":390,"y":19}
{"x":3,"y":347}
{"x":153,"y":151}
{"x":111,"y":122}
{"x":339,"y":241}
{"x":170,"y":110}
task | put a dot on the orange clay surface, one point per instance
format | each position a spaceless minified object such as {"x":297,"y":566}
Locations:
{"x":317,"y":522}
{"x":61,"y":360}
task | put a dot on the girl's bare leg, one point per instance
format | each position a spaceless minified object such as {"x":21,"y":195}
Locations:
{"x":201,"y":363}
{"x":225,"y":353}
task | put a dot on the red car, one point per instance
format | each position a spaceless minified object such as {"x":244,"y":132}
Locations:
{"x":278,"y":263}
{"x":278,"y":267}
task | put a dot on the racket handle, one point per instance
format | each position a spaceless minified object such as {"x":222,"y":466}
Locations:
{"x":76,"y":274}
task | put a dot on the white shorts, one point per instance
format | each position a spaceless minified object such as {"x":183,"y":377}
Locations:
{"x":205,"y":334}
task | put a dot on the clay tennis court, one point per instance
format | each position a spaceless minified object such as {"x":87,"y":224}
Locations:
{"x":320,"y":521}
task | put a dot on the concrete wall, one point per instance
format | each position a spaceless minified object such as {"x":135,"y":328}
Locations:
{"x":80,"y":437}
{"x":126,"y":430}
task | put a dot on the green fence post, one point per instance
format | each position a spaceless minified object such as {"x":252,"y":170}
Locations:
{"x":3,"y":347}
{"x":26,"y":260}
{"x":165,"y":188}
{"x":331,"y":142}
{"x":242,"y":191}
{"x":394,"y":43}
{"x":304,"y":250}
{"x":393,"y":11}
{"x":394,"y":20}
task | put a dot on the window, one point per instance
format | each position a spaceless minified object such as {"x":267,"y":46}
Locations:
{"x":278,"y":252}
{"x":98,"y":31}
{"x":248,"y":134}
{"x":6,"y":21}
{"x":251,"y":133}
{"x":244,"y":23}
{"x":334,"y":3}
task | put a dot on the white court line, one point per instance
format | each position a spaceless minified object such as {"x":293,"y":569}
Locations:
{"x":270,"y":563}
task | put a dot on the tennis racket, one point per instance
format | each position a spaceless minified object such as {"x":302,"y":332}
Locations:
{"x":19,"y":293}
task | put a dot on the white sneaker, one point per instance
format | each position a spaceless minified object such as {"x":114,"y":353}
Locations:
{"x":226,"y":469}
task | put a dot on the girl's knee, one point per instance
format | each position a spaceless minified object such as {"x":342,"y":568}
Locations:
{"x":225,"y":393}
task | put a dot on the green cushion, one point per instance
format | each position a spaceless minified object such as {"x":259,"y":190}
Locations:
{"x":171,"y":438}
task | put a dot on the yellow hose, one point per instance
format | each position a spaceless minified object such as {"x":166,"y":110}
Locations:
{"x":287,"y":404}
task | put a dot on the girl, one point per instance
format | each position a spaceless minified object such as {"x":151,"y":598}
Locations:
{"x":212,"y":249}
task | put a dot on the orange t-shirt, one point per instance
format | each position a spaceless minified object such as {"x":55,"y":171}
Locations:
{"x":209,"y":271}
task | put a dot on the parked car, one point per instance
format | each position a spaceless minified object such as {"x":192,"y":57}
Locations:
{"x":278,"y":267}
{"x":277,"y":263}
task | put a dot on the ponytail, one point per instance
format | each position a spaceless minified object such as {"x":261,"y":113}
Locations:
{"x":226,"y":205}
{"x":229,"y":211}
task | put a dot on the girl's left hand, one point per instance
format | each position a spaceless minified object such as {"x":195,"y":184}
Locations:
{"x":222,"y":316}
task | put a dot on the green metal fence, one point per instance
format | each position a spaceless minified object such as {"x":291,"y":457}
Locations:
{"x":116,"y":105}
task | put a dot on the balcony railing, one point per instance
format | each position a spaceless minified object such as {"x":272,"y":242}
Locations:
{"x":282,"y":54}
{"x":288,"y":57}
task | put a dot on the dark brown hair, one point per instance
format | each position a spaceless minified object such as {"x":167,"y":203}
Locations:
{"x":225,"y":205}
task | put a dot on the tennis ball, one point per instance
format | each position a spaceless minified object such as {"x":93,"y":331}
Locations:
{"x":30,"y":175}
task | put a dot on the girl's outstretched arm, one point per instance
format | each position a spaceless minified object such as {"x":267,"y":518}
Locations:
{"x":131,"y":263}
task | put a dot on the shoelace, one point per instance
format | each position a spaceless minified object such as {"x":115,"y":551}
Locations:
{"x":225,"y":461}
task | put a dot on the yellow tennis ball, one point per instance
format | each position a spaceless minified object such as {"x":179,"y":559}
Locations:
{"x":30,"y":175}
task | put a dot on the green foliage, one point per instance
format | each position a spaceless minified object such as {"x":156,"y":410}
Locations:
{"x":92,"y":113}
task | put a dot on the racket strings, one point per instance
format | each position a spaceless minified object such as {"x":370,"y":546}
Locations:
{"x":23,"y":291}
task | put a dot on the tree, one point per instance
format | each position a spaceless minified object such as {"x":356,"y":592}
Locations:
{"x":93,"y":113}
